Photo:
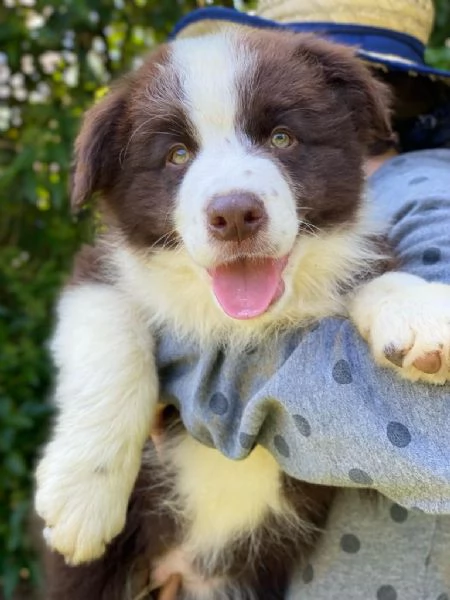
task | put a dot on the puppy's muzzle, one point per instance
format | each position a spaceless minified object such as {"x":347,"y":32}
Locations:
{"x":236,"y":216}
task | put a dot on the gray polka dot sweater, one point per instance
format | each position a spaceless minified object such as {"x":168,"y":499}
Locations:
{"x":316,"y":393}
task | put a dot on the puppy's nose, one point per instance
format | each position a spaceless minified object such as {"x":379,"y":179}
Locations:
{"x":236,"y":216}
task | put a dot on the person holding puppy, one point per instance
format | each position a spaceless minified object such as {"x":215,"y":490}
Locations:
{"x":353,"y":429}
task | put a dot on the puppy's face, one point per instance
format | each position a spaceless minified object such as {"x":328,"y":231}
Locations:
{"x":237,"y":147}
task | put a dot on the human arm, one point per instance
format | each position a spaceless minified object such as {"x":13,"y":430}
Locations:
{"x":316,"y":399}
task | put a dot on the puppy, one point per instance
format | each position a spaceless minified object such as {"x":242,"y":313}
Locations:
{"x":229,"y":172}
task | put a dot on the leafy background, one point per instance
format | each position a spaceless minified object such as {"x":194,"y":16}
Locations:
{"x":55,"y":59}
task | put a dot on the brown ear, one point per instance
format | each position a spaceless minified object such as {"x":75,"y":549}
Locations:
{"x":98,"y":147}
{"x":368,"y":100}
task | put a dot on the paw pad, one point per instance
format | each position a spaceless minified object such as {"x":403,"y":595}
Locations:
{"x":429,"y":363}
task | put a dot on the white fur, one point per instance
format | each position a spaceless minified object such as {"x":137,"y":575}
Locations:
{"x":227,"y":160}
{"x":219,"y":171}
{"x":106,"y":393}
{"x":234,"y":496}
{"x":405,"y":312}
{"x":221,"y":501}
{"x":209,"y":69}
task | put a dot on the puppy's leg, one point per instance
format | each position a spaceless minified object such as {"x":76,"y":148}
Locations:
{"x":106,"y":394}
{"x":124,"y":570}
{"x":406,"y":322}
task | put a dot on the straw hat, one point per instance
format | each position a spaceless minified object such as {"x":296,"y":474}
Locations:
{"x":391,"y":34}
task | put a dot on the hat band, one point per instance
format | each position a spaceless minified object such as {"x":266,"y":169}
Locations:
{"x":376,"y":40}
{"x":373,"y":40}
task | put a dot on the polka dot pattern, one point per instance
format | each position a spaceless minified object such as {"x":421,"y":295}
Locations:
{"x":350,"y":543}
{"x":431,"y":256}
{"x":308,"y":574}
{"x":398,"y":434}
{"x":398,"y":162}
{"x":302,"y":425}
{"x":247,"y":441}
{"x":418,"y":180}
{"x":386,"y":592}
{"x":219,"y":403}
{"x":360,"y":476}
{"x":342,"y":373}
{"x":281,"y":446}
{"x":398,"y":513}
{"x":430,"y":206}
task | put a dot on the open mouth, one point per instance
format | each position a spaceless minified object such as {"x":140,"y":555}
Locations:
{"x":245,"y":288}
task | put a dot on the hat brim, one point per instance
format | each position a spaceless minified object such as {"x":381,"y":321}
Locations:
{"x":205,"y":20}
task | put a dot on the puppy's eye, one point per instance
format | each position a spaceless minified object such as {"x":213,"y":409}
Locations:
{"x":280,"y":138}
{"x":179,"y":155}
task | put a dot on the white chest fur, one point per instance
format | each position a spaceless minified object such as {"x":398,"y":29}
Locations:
{"x":224,"y":499}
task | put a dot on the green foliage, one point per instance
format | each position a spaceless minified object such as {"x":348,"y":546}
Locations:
{"x":55,"y":58}
{"x":59,"y":55}
{"x":438,"y":54}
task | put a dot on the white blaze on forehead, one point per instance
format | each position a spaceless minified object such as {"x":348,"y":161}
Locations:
{"x":212,"y":72}
{"x":209,"y":69}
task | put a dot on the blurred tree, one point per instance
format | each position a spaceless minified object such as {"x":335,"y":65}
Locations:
{"x":55,"y":59}
{"x":438,"y":53}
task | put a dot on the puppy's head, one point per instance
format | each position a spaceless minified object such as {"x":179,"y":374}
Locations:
{"x":236,"y":147}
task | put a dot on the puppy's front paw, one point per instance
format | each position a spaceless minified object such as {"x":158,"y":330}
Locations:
{"x":406,"y":322}
{"x":83,"y":511}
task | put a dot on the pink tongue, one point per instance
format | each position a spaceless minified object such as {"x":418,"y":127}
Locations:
{"x":247,"y":287}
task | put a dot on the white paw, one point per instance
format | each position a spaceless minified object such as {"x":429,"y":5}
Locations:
{"x":406,"y":322}
{"x":83,"y":511}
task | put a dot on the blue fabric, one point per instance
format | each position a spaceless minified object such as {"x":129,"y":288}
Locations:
{"x":370,"y":39}
{"x":314,"y":397}
{"x":365,"y":38}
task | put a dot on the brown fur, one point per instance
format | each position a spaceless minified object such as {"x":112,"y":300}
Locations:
{"x":331,"y":103}
{"x":333,"y":106}
{"x":89,"y":266}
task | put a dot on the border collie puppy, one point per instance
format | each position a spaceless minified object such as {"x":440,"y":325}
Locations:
{"x":229,"y":171}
